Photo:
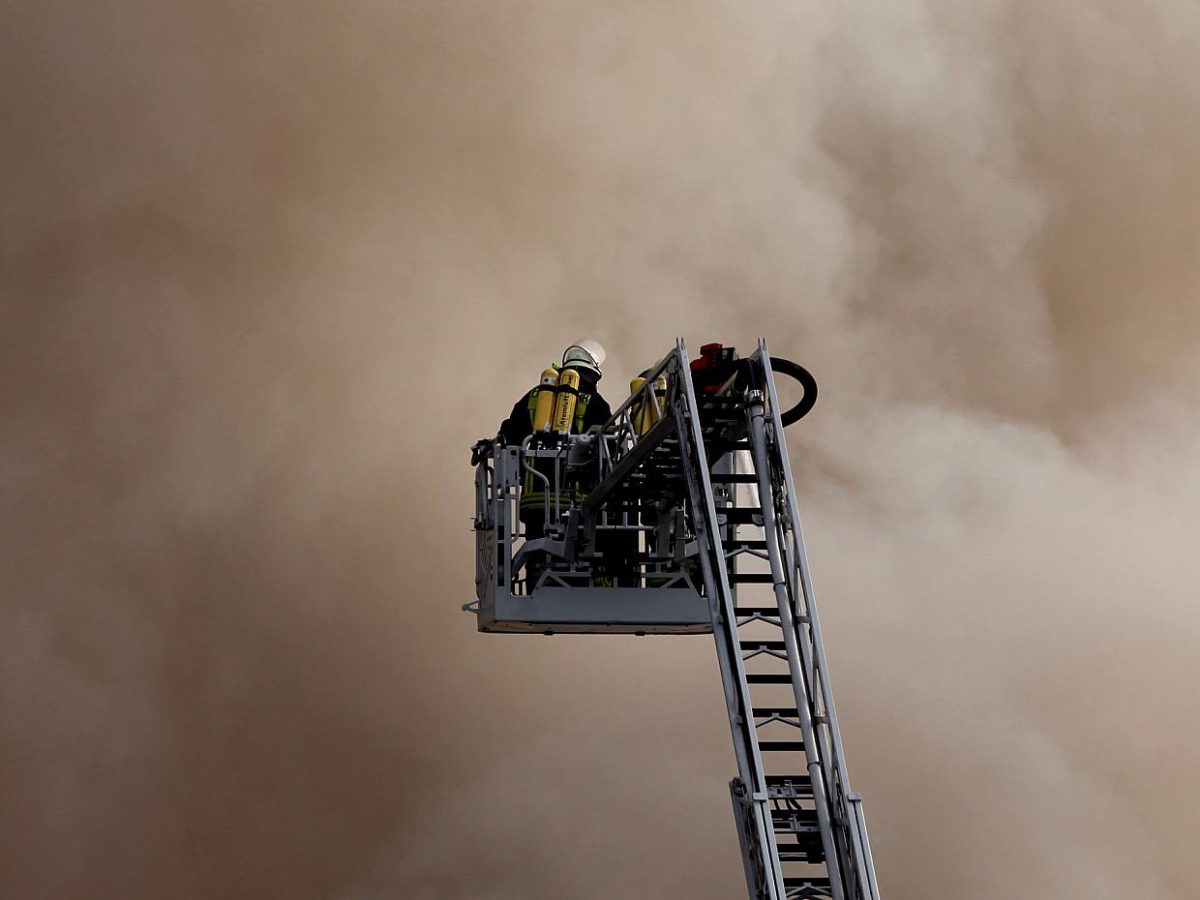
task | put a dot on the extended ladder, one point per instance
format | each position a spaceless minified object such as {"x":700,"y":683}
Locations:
{"x":801,"y":827}
{"x":712,"y":476}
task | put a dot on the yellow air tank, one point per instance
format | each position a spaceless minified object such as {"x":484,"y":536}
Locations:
{"x":635,"y":408}
{"x":544,"y":410}
{"x":644,"y":415}
{"x":564,"y":402}
{"x":660,"y":397}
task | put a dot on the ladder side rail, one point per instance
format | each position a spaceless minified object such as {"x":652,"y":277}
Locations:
{"x":694,"y":459}
{"x":800,"y":686}
{"x":864,"y":843}
{"x":722,"y":596}
{"x":862,"y":859}
{"x":752,"y":860}
{"x":722,"y":601}
{"x":810,"y":654}
{"x":802,"y":619}
{"x":858,"y":865}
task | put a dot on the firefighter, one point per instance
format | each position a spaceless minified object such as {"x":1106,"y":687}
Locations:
{"x":584,"y":359}
{"x":566,"y":401}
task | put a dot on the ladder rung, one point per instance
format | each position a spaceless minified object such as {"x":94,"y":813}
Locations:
{"x":740,"y":515}
{"x":789,"y":787}
{"x":748,"y":545}
{"x":752,"y":578}
{"x":750,"y":551}
{"x":768,"y":678}
{"x":797,"y":821}
{"x":734,"y":478}
{"x":802,"y":887}
{"x":792,"y":793}
{"x":772,"y":611}
{"x":765,"y":711}
{"x":781,"y":746}
{"x":809,"y":853}
{"x":762,"y":645}
{"x":806,"y":848}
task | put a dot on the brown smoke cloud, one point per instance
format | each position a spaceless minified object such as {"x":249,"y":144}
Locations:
{"x":269,"y":269}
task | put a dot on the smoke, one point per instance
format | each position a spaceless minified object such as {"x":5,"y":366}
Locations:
{"x":269,"y":270}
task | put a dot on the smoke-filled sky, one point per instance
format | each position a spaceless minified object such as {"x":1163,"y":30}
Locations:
{"x":269,"y":269}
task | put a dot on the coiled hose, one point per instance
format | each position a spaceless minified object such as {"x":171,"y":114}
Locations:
{"x":805,"y":404}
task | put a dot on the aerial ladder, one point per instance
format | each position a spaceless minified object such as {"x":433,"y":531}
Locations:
{"x":689,"y":487}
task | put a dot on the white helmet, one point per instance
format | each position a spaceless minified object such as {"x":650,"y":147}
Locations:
{"x":587,"y":354}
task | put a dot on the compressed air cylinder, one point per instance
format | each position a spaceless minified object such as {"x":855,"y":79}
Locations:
{"x":635,"y":408}
{"x":564,"y":402}
{"x":545,"y":400}
{"x":660,"y":397}
{"x":643,"y":413}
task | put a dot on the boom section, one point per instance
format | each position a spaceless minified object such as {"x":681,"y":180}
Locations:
{"x":679,"y":516}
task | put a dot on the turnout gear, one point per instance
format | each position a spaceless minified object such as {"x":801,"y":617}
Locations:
{"x":576,"y":409}
{"x":575,"y":406}
{"x":564,"y":402}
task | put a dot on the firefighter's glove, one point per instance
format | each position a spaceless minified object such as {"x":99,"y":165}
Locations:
{"x":480,"y":451}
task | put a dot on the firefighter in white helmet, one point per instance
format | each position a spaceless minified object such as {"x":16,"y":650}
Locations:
{"x":566,"y":401}
{"x":577,"y":375}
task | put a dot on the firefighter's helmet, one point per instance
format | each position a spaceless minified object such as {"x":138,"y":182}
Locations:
{"x":587,"y":354}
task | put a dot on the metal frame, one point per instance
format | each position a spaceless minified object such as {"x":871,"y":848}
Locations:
{"x":558,"y":603}
{"x":802,"y":835}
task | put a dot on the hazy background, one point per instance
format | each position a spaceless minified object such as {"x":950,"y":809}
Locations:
{"x":269,"y":269}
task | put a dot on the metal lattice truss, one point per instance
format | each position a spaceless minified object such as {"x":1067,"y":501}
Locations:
{"x":698,"y":491}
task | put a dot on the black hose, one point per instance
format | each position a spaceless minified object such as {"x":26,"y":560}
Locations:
{"x":802,"y":375}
